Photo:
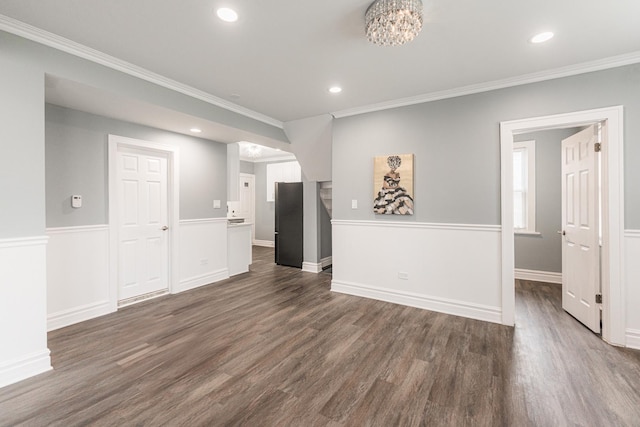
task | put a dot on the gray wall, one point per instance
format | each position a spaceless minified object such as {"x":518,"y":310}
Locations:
{"x":21,"y":150}
{"x":325,"y":232}
{"x":265,"y":211}
{"x":457,"y":146}
{"x":76,"y":163}
{"x":544,"y":252}
{"x":246,"y":167}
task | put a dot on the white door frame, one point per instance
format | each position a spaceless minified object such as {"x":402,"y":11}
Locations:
{"x":613,"y":286}
{"x":173,"y":188}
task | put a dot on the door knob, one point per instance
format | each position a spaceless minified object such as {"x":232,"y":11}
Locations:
{"x":561,"y":232}
{"x":165,"y":228}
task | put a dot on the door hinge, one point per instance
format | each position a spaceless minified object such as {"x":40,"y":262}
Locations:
{"x":598,"y":298}
{"x":597,"y":147}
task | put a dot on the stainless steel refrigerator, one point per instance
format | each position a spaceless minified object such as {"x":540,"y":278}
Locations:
{"x":288,"y":227}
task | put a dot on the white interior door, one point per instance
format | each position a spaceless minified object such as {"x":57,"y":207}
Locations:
{"x":580,"y":243}
{"x":142,"y":223}
{"x":247,"y":195}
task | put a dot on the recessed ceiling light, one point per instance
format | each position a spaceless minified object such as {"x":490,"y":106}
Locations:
{"x":335,"y":89}
{"x":195,"y":130}
{"x":227,"y":15}
{"x":542,"y":37}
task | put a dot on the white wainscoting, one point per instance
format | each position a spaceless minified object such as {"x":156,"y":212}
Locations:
{"x":538,"y":276}
{"x":449,"y":268}
{"x":632,"y":282}
{"x":203,"y":252}
{"x":23,"y":309}
{"x":78,"y":276}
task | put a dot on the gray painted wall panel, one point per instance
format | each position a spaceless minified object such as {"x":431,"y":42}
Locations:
{"x":246,"y":167}
{"x":21,"y":150}
{"x":265,"y":211}
{"x":76,"y":163}
{"x":544,"y":252}
{"x":457,"y":146}
{"x":325,"y":230}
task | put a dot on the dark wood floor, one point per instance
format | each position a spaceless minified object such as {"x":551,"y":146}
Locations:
{"x":274,"y":347}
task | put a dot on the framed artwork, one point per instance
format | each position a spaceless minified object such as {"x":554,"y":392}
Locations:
{"x":393,"y":184}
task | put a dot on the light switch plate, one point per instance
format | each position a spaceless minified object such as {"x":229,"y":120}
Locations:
{"x":354,"y":204}
{"x":216,"y":204}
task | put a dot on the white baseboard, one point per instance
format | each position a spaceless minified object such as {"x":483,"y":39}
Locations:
{"x":326,"y":262}
{"x":25,"y":367}
{"x":205,"y":279}
{"x":312,"y":267}
{"x":538,"y":276}
{"x":633,"y":338}
{"x":441,"y":305}
{"x":77,"y":314}
{"x":264,"y":243}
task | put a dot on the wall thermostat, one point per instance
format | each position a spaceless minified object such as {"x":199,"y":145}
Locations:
{"x":76,"y":201}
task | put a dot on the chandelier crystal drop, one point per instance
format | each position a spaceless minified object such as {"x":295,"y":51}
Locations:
{"x":393,"y":22}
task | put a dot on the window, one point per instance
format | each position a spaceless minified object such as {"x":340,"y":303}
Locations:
{"x":524,"y":187}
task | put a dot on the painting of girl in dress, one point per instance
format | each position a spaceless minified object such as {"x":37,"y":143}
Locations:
{"x":393,"y":184}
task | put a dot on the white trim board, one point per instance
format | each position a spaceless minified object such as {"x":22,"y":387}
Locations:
{"x":571,"y":70}
{"x":613,"y":285}
{"x":264,"y":243}
{"x":312,"y":267}
{"x":24,"y":241}
{"x":75,"y":315}
{"x":20,"y":369}
{"x":317,"y":267}
{"x":77,"y":229}
{"x":46,"y":38}
{"x":538,"y":276}
{"x":420,"y":225}
{"x":441,"y":305}
{"x":633,"y":338}
{"x":205,"y":279}
{"x":203,"y":221}
{"x":632,"y":234}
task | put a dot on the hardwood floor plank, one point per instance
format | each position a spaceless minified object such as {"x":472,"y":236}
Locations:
{"x":274,"y":347}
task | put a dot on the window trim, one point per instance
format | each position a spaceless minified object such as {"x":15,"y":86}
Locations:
{"x":529,"y":147}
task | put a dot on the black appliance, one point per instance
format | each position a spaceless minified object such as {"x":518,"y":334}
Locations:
{"x":288,"y":227}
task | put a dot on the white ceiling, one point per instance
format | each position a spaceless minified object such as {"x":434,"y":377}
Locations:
{"x":282,"y":55}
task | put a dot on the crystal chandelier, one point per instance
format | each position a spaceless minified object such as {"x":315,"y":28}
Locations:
{"x":393,"y":22}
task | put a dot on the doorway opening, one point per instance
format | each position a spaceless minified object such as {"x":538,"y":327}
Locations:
{"x":557,"y":216}
{"x":613,"y":306}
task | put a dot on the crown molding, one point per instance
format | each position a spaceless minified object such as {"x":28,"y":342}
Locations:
{"x":571,"y":70}
{"x":46,"y":38}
